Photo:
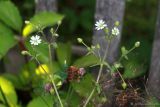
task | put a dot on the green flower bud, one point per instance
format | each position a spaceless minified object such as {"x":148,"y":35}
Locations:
{"x":117,"y":65}
{"x":117,"y":23}
{"x":59,"y":22}
{"x":137,"y":44}
{"x":80,"y":40}
{"x":124,"y":85}
{"x":51,"y":30}
{"x":93,"y":47}
{"x":98,"y":46}
{"x":26,"y":22}
{"x":56,"y":35}
{"x":88,"y":48}
{"x":25,"y":53}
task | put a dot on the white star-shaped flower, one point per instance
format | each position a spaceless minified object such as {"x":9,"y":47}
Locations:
{"x":35,"y":40}
{"x":115,"y":31}
{"x":100,"y":25}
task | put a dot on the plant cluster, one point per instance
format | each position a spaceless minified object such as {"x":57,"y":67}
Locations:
{"x":54,"y":81}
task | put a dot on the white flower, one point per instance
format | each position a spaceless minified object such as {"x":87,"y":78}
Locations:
{"x":35,"y":40}
{"x":100,"y":25}
{"x":115,"y":31}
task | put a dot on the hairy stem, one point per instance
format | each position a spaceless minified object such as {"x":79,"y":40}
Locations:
{"x":99,"y":74}
{"x":50,"y":76}
{"x":54,"y":86}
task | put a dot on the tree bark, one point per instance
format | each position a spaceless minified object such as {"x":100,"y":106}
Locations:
{"x":46,"y":5}
{"x":110,"y":11}
{"x":153,"y":84}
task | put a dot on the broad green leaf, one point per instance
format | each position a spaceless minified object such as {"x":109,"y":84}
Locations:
{"x":7,"y":40}
{"x":70,"y":98}
{"x":40,"y":21}
{"x":85,"y":61}
{"x":41,"y":101}
{"x":8,"y":91}
{"x":85,"y":86}
{"x":10,"y":15}
{"x":133,"y":69}
{"x":63,"y":53}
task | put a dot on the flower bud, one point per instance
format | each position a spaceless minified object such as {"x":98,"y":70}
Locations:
{"x":80,"y":40}
{"x":124,"y":85}
{"x":82,"y":71}
{"x":25,"y":53}
{"x":59,"y":22}
{"x":26,"y":22}
{"x":48,"y":87}
{"x":137,"y":44}
{"x":56,"y":35}
{"x":98,"y":46}
{"x":51,"y":30}
{"x":93,"y":47}
{"x":117,"y":23}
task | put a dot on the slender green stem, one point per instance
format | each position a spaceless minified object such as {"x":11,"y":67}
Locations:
{"x":99,"y":74}
{"x":120,"y":75}
{"x":55,"y":88}
{"x":69,"y":91}
{"x":41,"y":31}
{"x":126,"y":53}
{"x":50,"y":76}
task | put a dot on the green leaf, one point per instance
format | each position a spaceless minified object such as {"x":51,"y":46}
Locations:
{"x":14,"y":79}
{"x":86,"y":61}
{"x":10,"y":15}
{"x":133,"y":69}
{"x":85,"y":86}
{"x":7,"y":40}
{"x":40,"y":21}
{"x":98,"y":88}
{"x":41,"y":50}
{"x":1,"y":105}
{"x":8,"y":91}
{"x":70,"y":99}
{"x":41,"y":101}
{"x":63,"y":53}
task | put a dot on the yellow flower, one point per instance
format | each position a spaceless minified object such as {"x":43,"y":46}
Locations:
{"x":42,"y":69}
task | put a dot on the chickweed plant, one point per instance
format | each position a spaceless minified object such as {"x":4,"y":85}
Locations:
{"x":110,"y":34}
